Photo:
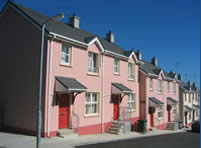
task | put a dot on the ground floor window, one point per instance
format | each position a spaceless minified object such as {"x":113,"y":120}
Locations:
{"x":160,"y":112}
{"x":174,"y":109}
{"x":131,"y":102}
{"x":91,"y":103}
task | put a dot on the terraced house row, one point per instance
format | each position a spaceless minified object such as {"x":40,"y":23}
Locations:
{"x":90,"y":85}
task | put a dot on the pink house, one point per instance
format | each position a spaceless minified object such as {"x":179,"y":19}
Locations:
{"x":159,"y":95}
{"x":90,"y":83}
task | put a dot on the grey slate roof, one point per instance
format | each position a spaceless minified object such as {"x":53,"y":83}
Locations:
{"x":156,"y":101}
{"x":184,"y":86}
{"x":172,"y":100}
{"x":70,"y":84}
{"x":149,"y":68}
{"x":123,"y":88}
{"x":67,"y":30}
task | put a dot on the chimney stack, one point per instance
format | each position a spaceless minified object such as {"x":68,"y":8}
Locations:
{"x":154,"y":61}
{"x":179,"y":77}
{"x":194,"y":86}
{"x":139,"y":55}
{"x":110,"y":36}
{"x":74,"y":21}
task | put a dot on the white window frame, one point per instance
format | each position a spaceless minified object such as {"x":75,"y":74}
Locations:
{"x":131,"y":71}
{"x":151,"y":83}
{"x":160,"y":89}
{"x":132,"y":102}
{"x":174,"y":109}
{"x":116,"y":66}
{"x":91,"y":103}
{"x":93,"y":64}
{"x":66,"y":55}
{"x":160,"y":110}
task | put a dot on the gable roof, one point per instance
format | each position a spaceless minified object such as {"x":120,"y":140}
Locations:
{"x":66,"y":30}
{"x":155,"y":71}
{"x":184,"y":86}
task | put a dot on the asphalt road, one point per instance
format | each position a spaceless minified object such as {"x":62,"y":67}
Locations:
{"x":180,"y":140}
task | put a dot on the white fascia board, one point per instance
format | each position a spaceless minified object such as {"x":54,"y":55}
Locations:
{"x":115,"y":54}
{"x":98,"y":42}
{"x":152,"y":75}
{"x":69,"y":39}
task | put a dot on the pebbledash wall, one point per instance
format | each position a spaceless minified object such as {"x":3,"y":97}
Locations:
{"x":79,"y":70}
{"x":146,"y":93}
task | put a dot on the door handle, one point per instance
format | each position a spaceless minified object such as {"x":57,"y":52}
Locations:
{"x":61,"y":114}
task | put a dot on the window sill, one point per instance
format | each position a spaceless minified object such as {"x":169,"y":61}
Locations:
{"x":66,"y":65}
{"x":130,"y":79}
{"x":161,"y":118}
{"x":133,"y":110}
{"x":116,"y":74}
{"x":91,"y":115}
{"x":93,"y":74}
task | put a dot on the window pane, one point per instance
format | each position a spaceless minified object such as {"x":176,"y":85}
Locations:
{"x":94,"y":97}
{"x":94,"y":108}
{"x":88,"y":99}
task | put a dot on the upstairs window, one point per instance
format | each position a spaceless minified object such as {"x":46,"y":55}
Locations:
{"x":131,"y":102}
{"x":174,"y":88}
{"x":151,"y":84}
{"x":93,"y":62}
{"x":168,"y":86}
{"x":189,"y":98}
{"x":131,"y":71}
{"x":116,"y":66}
{"x":65,"y":55}
{"x":159,"y":86}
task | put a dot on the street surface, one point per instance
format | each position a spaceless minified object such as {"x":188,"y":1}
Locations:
{"x":180,"y":140}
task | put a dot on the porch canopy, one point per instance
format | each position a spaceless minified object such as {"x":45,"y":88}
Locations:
{"x":66,"y":84}
{"x":195,"y":107}
{"x":171,"y":101}
{"x":118,"y":88}
{"x":187,"y":108}
{"x":153,"y":102}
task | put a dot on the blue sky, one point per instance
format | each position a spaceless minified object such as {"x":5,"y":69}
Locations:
{"x":167,"y":29}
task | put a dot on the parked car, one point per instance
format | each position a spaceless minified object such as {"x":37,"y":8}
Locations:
{"x":196,"y":126}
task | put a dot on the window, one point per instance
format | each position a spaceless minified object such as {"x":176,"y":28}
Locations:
{"x":131,"y":102}
{"x":116,"y":66}
{"x":168,"y":86}
{"x":174,"y":109}
{"x":151,"y":84}
{"x":91,"y":103}
{"x":189,"y":98}
{"x":159,"y":86}
{"x":93,"y":62}
{"x":174,"y":87}
{"x":160,"y":112}
{"x":193,"y":95}
{"x":131,"y":71}
{"x":65,"y":54}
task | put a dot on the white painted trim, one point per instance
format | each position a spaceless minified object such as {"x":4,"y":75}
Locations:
{"x":67,"y":38}
{"x":115,"y":54}
{"x":97,"y":41}
{"x":77,"y":89}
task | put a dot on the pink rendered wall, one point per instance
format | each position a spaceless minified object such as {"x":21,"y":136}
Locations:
{"x":110,"y":77}
{"x":79,"y":71}
{"x":160,"y":96}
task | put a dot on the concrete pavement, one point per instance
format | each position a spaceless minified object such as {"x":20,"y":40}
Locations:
{"x":9,"y":140}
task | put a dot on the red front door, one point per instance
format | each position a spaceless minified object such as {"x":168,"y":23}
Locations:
{"x":151,"y":120}
{"x":116,"y":107}
{"x":168,"y":116}
{"x":64,"y":111}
